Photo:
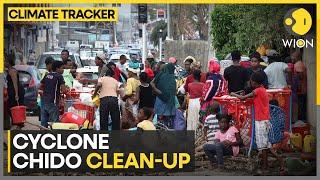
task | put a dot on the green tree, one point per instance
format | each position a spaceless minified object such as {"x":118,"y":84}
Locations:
{"x":155,"y":32}
{"x":246,"y":27}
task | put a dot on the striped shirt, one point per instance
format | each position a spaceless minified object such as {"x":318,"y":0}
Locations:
{"x":212,"y":125}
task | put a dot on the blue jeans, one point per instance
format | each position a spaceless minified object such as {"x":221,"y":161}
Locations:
{"x":49,"y":113}
{"x":218,"y":150}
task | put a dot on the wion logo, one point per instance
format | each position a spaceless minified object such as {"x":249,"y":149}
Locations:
{"x":297,"y":22}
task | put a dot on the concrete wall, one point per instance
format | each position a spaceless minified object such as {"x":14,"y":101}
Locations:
{"x":181,"y":49}
{"x":309,"y":57}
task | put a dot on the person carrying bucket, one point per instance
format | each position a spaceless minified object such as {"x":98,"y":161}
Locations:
{"x":15,"y":89}
{"x":51,"y":85}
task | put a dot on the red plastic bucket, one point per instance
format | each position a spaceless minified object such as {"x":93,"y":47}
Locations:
{"x":71,"y":117}
{"x":18,"y":115}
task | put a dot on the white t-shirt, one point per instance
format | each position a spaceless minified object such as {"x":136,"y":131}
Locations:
{"x":276,"y":75}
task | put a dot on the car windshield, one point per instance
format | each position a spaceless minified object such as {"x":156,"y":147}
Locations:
{"x":42,"y":64}
{"x":56,"y":57}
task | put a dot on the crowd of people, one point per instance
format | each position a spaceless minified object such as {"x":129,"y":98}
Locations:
{"x":155,"y":96}
{"x":135,"y":97}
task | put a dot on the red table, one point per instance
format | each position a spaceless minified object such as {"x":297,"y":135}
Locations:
{"x":239,"y":109}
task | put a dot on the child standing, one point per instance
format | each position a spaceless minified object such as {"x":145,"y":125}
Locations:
{"x":51,"y":85}
{"x":256,"y":67}
{"x":262,"y":117}
{"x":227,"y":141}
{"x":49,"y":61}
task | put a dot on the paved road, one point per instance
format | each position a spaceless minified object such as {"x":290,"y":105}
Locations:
{"x":32,"y":123}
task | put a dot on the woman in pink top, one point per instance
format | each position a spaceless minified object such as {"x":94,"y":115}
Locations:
{"x":227,"y":141}
{"x":109,"y":90}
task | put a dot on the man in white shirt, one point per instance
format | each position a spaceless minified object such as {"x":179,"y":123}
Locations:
{"x":276,"y":71}
{"x":122,"y":64}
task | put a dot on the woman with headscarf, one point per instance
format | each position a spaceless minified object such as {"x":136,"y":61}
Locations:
{"x":215,"y":85}
{"x":164,"y":85}
{"x":130,"y":111}
{"x":187,"y":65}
{"x":148,"y":70}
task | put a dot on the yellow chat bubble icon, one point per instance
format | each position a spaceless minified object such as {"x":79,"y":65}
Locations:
{"x":298,"y":21}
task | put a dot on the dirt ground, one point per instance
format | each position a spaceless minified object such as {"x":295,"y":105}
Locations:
{"x":239,"y":166}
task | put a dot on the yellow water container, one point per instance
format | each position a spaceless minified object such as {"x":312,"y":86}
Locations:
{"x":64,"y":126}
{"x":309,"y":144}
{"x":96,"y":101}
{"x":296,"y":140}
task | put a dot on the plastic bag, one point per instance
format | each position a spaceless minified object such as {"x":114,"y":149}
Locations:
{"x":86,"y":98}
{"x":96,"y":122}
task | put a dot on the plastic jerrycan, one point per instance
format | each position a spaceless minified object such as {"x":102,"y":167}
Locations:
{"x":296,"y":140}
{"x":309,"y":143}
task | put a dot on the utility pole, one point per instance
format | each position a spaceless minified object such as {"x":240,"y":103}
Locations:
{"x":168,"y":22}
{"x":211,"y":52}
{"x":68,"y":28}
{"x":96,"y":30}
{"x":160,"y":44}
{"x":144,"y":43}
{"x":143,"y":19}
{"x":115,"y":33}
{"x":52,"y":38}
{"x":47,"y":38}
